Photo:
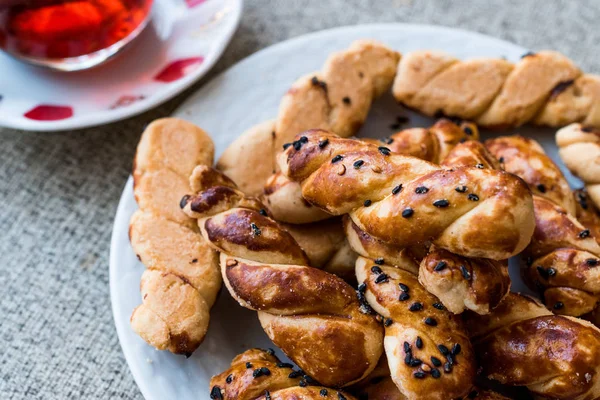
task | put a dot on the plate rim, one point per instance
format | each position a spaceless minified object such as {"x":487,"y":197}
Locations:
{"x":128,"y":191}
{"x":100,"y":118}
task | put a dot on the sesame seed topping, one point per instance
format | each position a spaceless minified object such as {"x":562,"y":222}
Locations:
{"x":436,"y":361}
{"x":406,"y":346}
{"x":443,"y":349}
{"x":337,"y":158}
{"x":286,"y":145}
{"x":439,"y":306}
{"x":323,"y":392}
{"x":367,"y":203}
{"x":592,"y":262}
{"x":415,"y":362}
{"x":403,"y":287}
{"x":465,"y":272}
{"x":379,"y":261}
{"x":419,"y":342}
{"x":255,"y":229}
{"x":404,"y":296}
{"x":216,"y":394}
{"x":297,"y":145}
{"x":430,"y":321}
{"x":584,"y":234}
{"x":468,"y":130}
{"x":303,"y":139}
{"x":558,"y":305}
{"x":284,"y":365}
{"x":376,"y":270}
{"x":229,"y":378}
{"x":323,"y":143}
{"x":421,"y":190}
{"x":440,"y":266}
{"x":248,"y":365}
{"x":419,"y":374}
{"x":384,"y":150}
{"x":461,"y":189}
{"x":473,"y":197}
{"x":347,"y":100}
{"x":381,"y":278}
{"x":407,"y":212}
{"x":387,"y":322}
{"x":408,"y":358}
{"x":456,"y":349}
{"x":441,"y":203}
{"x":416,"y":306}
{"x":397,"y":189}
{"x":541,"y":188}
{"x":480,"y":166}
{"x":358,"y":163}
{"x":435,"y":373}
{"x":263,"y":212}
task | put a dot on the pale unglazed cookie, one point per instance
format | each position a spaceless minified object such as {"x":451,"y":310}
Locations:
{"x":182,"y":278}
{"x":544,"y":88}
{"x":579,"y":148}
{"x":336,"y":98}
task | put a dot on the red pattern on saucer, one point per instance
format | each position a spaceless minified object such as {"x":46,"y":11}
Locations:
{"x":178,"y":69}
{"x":48,"y":112}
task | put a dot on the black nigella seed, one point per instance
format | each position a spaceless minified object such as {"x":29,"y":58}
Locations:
{"x":384,"y":150}
{"x":441,"y":203}
{"x":406,"y":346}
{"x":419,"y":375}
{"x":248,"y":365}
{"x":447,"y":367}
{"x":381,"y":278}
{"x":347,"y":100}
{"x":443,"y":349}
{"x":430,"y":321}
{"x":480,"y":166}
{"x":337,"y":158}
{"x":229,"y":378}
{"x":456,"y":349}
{"x":376,"y":270}
{"x":267,"y":395}
{"x":468,"y":130}
{"x":465,"y":272}
{"x":323,"y":143}
{"x":440,"y":266}
{"x":592,"y":262}
{"x":407,"y":212}
{"x":358,"y":163}
{"x":297,"y":145}
{"x":379,"y":261}
{"x":435,"y":373}
{"x":284,"y":365}
{"x":397,"y":189}
{"x":403,"y":287}
{"x":255,"y":229}
{"x":528,"y":54}
{"x":436,"y":361}
{"x":215,"y":393}
{"x":404,"y":296}
{"x":473,"y":197}
{"x":362,"y":287}
{"x":450,"y":359}
{"x":303,"y":140}
{"x":310,"y":380}
{"x":421,"y":190}
{"x":257,"y":373}
{"x":541,"y":188}
{"x":461,"y":189}
{"x":286,"y":145}
{"x":265,"y":371}
{"x":408,"y":358}
{"x":184,"y":201}
{"x":341,"y":396}
{"x":302,"y":383}
{"x":419,"y":342}
{"x":315,"y":81}
{"x":558,"y":305}
{"x":367,"y":203}
{"x":416,"y":307}
{"x":294,"y":374}
{"x":415,"y":362}
{"x":323,"y":392}
{"x":585,"y":233}
{"x":387,"y":322}
{"x":263,"y":212}
{"x":389,"y":140}
{"x":439,"y":306}
{"x":542,"y":271}
{"x":551,"y":271}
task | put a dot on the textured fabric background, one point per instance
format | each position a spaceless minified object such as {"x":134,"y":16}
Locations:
{"x":59,"y":192}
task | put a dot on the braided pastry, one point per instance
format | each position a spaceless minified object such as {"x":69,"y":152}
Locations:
{"x":579,"y":148}
{"x":545,"y":88}
{"x":258,"y":374}
{"x":182,"y":280}
{"x":563,"y":255}
{"x":313,"y":316}
{"x":521,"y":343}
{"x":406,"y":202}
{"x":336,"y":98}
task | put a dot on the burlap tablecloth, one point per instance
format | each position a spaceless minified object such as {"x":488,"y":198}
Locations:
{"x":59,"y":191}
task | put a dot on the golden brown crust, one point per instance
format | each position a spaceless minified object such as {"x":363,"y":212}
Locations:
{"x":375,"y":200}
{"x":313,"y":316}
{"x":428,"y":351}
{"x":520,"y":343}
{"x":182,"y":280}
{"x":497,"y":93}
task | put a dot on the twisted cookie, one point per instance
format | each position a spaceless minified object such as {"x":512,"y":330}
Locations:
{"x":258,"y":374}
{"x":522,"y":344}
{"x":545,"y":88}
{"x":563,"y":255}
{"x":182,"y":278}
{"x":407,"y":202}
{"x":313,"y":316}
{"x":579,"y":148}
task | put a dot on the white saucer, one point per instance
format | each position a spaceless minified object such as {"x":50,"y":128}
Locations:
{"x":183,"y":41}
{"x":242,"y":96}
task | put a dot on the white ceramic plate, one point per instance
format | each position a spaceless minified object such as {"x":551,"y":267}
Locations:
{"x":183,"y":41}
{"x":242,"y":96}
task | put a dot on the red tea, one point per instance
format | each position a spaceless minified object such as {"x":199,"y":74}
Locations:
{"x":68,"y":28}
